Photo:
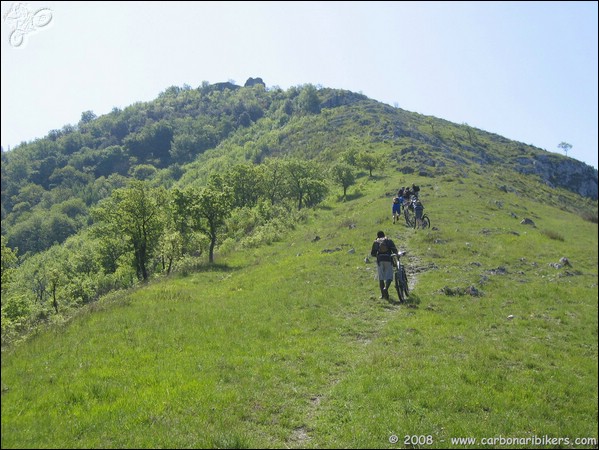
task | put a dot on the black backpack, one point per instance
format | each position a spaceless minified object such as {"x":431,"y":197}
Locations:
{"x":383,"y":247}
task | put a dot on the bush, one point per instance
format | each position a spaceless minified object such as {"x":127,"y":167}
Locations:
{"x":553,"y":235}
{"x":187,"y":265}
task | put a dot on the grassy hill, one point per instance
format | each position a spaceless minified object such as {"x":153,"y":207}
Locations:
{"x":288,"y":344}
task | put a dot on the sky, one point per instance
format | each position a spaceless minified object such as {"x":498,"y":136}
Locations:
{"x":523,"y":70}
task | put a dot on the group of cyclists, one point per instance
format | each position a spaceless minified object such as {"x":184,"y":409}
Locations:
{"x":389,"y":267}
{"x":408,"y":197}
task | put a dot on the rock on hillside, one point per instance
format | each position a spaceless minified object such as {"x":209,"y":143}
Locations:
{"x":557,"y":172}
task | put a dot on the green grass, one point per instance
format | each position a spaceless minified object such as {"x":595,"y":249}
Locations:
{"x":288,"y":345}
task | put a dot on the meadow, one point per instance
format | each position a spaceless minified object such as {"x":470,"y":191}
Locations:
{"x":289,"y":346}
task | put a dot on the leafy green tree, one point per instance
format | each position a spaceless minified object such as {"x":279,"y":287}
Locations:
{"x":210,"y":209}
{"x":192,"y":137}
{"x":104,"y":162}
{"x":274,"y":180}
{"x":137,"y":213}
{"x":29,"y":193}
{"x":181,"y":202}
{"x":71,"y":141}
{"x":305,"y":181}
{"x":350,"y":157}
{"x":28,"y":235}
{"x":72,"y":208}
{"x":369,"y":161}
{"x":308,"y":100}
{"x":143,"y":171}
{"x":344,"y":175}
{"x":316,"y":191}
{"x":153,"y":141}
{"x":244,"y":181}
{"x":69,"y":177}
{"x":57,"y":228}
{"x":87,"y":117}
{"x":244,"y":119}
{"x":111,"y":246}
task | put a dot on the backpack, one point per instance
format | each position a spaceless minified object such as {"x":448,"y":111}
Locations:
{"x":383,"y":247}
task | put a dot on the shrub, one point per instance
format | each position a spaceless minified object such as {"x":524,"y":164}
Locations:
{"x":553,"y":235}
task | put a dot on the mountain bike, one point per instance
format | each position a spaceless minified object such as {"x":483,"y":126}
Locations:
{"x":400,"y":276}
{"x":425,"y":222}
{"x":408,"y":213}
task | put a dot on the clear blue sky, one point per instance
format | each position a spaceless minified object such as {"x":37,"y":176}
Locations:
{"x":523,"y":70}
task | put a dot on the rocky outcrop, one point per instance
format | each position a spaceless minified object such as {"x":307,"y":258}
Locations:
{"x":558,"y":171}
{"x":254,"y":81}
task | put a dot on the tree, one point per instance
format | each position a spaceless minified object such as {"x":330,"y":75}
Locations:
{"x":274,"y":179}
{"x":57,"y":227}
{"x":152,"y":141}
{"x":308,"y":100}
{"x":565,"y":147}
{"x":137,"y":213}
{"x":369,"y":161}
{"x":87,"y":117}
{"x":143,"y":171}
{"x":305,"y":181}
{"x":244,"y":181}
{"x":210,"y":209}
{"x":343,"y":174}
{"x":180,"y":213}
{"x":28,"y":235}
{"x":192,"y":137}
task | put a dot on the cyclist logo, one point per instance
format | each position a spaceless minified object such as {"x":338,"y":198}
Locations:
{"x":23,"y":21}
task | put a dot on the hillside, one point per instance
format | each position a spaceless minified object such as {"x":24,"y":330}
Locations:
{"x":273,"y":150}
{"x":48,"y":185}
{"x":194,"y":272}
{"x":288,"y":344}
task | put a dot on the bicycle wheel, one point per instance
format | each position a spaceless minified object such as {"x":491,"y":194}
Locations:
{"x":410,"y":218}
{"x":426,"y":223}
{"x":404,"y":281}
{"x":398,"y":286}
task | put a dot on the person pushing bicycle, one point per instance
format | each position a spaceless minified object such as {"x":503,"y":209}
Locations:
{"x":383,"y":248}
{"x":418,"y":212}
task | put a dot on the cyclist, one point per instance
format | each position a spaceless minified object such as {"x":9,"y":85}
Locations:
{"x":383,"y":248}
{"x":416,"y":190}
{"x":418,"y":212}
{"x":396,"y":208}
{"x":407,"y":196}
